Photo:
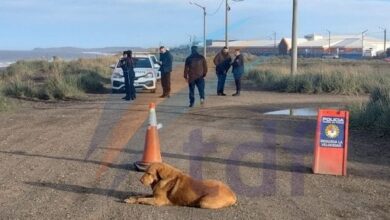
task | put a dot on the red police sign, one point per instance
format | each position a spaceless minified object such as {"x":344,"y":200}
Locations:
{"x":331,"y":143}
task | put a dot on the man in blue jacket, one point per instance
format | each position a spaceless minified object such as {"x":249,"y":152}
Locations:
{"x":166,"y":61}
{"x":238,"y":70}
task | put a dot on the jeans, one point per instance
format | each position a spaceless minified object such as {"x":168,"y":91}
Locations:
{"x":221,"y":82}
{"x":166,"y":83}
{"x":132,"y":88}
{"x":200,"y":84}
{"x":238,"y":84}
{"x":129,"y":85}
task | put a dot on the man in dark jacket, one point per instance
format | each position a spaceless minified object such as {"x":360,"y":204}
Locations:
{"x":238,"y":70}
{"x":166,"y":61}
{"x":222,"y":63}
{"x":127,"y":65}
{"x":195,"y":71}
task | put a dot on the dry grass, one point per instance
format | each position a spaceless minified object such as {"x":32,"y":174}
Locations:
{"x":375,"y":114}
{"x":319,"y":76}
{"x":56,"y":80}
{"x":336,"y":77}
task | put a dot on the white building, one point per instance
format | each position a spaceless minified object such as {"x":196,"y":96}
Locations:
{"x":313,"y":45}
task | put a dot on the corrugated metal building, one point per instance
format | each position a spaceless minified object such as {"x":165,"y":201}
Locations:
{"x":347,"y":46}
{"x":256,"y":47}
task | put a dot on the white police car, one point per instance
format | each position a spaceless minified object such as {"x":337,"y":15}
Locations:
{"x":146,"y":74}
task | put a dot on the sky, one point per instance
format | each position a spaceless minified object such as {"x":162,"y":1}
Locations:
{"x":28,"y":24}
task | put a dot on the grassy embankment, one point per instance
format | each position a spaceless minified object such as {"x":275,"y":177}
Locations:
{"x":58,"y":80}
{"x":334,"y":77}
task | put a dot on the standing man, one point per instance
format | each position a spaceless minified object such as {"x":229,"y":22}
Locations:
{"x":195,"y":71}
{"x":222,"y":63}
{"x":127,"y":65}
{"x":238,"y":70}
{"x":166,"y":60}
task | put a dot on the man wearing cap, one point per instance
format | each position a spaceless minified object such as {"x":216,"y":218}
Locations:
{"x":166,"y":61}
{"x":195,"y":71}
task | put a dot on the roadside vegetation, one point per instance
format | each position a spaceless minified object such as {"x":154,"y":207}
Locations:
{"x":371,"y":77}
{"x":319,"y":76}
{"x":374,"y":115}
{"x":57,"y":80}
{"x":4,"y":103}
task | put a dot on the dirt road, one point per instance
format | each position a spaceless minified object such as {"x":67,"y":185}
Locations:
{"x":74,"y":160}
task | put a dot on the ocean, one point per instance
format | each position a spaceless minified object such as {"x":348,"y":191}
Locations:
{"x":7,"y":57}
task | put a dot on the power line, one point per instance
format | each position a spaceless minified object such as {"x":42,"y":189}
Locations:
{"x":216,"y":11}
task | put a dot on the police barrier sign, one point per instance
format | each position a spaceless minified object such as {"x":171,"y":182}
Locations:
{"x":331,"y":143}
{"x":332,"y":132}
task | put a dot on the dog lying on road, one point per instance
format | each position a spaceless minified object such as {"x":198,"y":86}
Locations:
{"x":172,"y":187}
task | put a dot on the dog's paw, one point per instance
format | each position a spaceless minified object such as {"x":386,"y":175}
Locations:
{"x":130,"y":200}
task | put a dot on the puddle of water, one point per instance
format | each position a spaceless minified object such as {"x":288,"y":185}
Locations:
{"x":295,"y":112}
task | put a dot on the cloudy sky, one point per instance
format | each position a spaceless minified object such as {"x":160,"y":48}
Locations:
{"x":26,"y":24}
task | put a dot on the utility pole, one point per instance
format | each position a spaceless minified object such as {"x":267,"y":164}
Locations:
{"x":294,"y":55}
{"x":275,"y":51}
{"x":190,"y":43}
{"x":204,"y":33}
{"x":204,"y":26}
{"x":227,"y":9}
{"x":384,"y":39}
{"x":329,"y":52}
{"x":363,"y":42}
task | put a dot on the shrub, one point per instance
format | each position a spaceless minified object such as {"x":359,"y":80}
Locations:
{"x":58,"y":79}
{"x":19,"y":89}
{"x":375,"y":114}
{"x":3,"y":103}
{"x":336,"y":77}
{"x":63,"y":87}
{"x":91,"y":82}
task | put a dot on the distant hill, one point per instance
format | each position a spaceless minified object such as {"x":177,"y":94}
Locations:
{"x":66,"y":53}
{"x":80,"y":50}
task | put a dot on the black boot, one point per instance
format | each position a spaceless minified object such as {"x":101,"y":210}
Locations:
{"x":236,"y":94}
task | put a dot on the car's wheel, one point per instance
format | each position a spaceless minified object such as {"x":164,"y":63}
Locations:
{"x":115,"y":91}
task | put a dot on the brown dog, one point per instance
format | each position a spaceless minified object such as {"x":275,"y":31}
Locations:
{"x":172,"y":187}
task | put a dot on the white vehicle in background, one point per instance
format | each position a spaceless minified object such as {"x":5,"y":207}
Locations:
{"x":156,"y":66}
{"x":369,"y":53}
{"x":146,"y":74}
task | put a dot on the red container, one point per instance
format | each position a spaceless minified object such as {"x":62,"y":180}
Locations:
{"x":331,"y":143}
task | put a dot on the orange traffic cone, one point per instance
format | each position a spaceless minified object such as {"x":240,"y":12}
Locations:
{"x":152,"y":152}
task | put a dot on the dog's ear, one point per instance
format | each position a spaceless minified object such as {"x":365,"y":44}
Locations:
{"x":154,"y":171}
{"x":158,"y":176}
{"x":160,"y":171}
{"x":166,"y":171}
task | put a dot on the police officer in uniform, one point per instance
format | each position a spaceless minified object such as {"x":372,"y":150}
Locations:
{"x":127,"y":65}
